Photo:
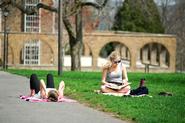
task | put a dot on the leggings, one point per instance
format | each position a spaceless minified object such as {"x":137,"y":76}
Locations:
{"x":35,"y":83}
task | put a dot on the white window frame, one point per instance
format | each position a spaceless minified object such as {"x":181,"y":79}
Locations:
{"x":31,"y":53}
{"x":31,"y":27}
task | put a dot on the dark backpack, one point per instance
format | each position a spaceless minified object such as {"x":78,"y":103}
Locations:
{"x":139,"y":91}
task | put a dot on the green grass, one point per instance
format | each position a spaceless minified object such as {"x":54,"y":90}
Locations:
{"x":158,"y":109}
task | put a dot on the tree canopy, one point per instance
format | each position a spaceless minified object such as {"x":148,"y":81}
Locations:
{"x":138,"y":16}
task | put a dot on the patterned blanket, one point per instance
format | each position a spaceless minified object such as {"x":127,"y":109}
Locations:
{"x":33,"y":99}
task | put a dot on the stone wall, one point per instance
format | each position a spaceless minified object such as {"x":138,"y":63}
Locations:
{"x":93,"y":43}
{"x":134,"y":42}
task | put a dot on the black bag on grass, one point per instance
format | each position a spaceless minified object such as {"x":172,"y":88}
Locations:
{"x":139,"y":91}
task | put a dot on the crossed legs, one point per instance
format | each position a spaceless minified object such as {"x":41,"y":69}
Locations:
{"x":123,"y":91}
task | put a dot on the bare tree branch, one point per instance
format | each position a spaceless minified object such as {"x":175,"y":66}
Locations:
{"x":35,"y":9}
{"x":4,"y":3}
{"x":30,"y":11}
{"x":67,"y":23}
{"x":68,"y":26}
{"x":95,"y":5}
{"x":44,"y":6}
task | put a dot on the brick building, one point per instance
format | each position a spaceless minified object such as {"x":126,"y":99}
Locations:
{"x":32,"y":43}
{"x":32,"y":38}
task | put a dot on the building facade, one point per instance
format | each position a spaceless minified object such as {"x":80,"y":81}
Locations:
{"x":32,"y":44}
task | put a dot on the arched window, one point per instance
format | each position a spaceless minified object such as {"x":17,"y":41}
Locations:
{"x":31,"y":54}
{"x":155,"y":54}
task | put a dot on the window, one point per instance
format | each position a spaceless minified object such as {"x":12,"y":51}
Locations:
{"x":31,"y":22}
{"x":31,"y":53}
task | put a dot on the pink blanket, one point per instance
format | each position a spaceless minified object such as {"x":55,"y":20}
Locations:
{"x":33,"y":99}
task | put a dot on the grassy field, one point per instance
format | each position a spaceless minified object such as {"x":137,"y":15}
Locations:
{"x":155,"y":109}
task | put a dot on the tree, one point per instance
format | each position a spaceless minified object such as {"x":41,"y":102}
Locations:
{"x":138,"y":16}
{"x":107,"y":14}
{"x":70,"y":8}
{"x":166,"y":9}
{"x":173,"y":18}
{"x":177,"y":23}
{"x":75,"y":36}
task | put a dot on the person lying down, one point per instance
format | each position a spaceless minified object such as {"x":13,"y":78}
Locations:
{"x":40,"y":90}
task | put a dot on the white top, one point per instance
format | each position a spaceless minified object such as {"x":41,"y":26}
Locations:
{"x":115,"y":76}
{"x":38,"y":95}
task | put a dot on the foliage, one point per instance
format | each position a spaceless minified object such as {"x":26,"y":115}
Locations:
{"x":138,"y":16}
{"x":80,"y":86}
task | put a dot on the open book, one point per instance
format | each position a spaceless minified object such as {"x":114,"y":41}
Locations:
{"x":117,"y":87}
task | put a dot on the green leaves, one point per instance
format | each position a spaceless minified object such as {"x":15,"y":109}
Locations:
{"x":138,"y":16}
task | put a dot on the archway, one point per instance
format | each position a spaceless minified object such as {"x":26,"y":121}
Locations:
{"x":155,"y":55}
{"x":86,"y":56}
{"x":112,"y":46}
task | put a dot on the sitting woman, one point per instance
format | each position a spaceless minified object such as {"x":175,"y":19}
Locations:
{"x":115,"y":73}
{"x":42,"y":91}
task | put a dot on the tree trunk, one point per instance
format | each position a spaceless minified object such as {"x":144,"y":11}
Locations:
{"x":76,"y":47}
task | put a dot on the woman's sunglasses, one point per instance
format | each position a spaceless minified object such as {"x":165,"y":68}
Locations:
{"x":116,"y":62}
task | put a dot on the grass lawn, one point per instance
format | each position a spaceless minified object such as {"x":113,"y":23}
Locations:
{"x":158,"y":109}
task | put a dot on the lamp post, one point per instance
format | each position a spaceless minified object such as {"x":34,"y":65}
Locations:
{"x":181,"y":60}
{"x":5,"y":14}
{"x":7,"y":42}
{"x":60,"y":35}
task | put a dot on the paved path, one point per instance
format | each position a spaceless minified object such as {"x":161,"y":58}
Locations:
{"x":15,"y":110}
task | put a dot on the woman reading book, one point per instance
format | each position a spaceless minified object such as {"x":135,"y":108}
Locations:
{"x":114,"y":76}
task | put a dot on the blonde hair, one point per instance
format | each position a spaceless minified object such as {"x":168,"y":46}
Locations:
{"x":113,"y":56}
{"x":53,"y":96}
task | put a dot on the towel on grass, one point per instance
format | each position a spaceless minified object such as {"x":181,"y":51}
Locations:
{"x":34,"y":99}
